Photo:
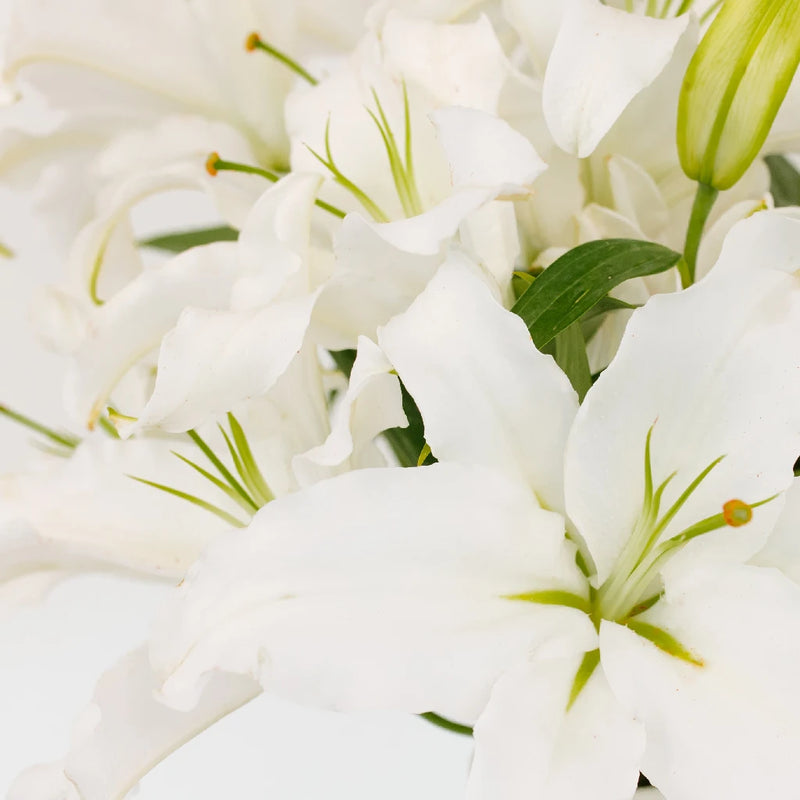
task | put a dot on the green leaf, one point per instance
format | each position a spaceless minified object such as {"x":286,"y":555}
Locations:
{"x":608,"y":304}
{"x":407,"y":443}
{"x":344,"y":360}
{"x":570,"y":355}
{"x":447,"y":724}
{"x":784,"y":181}
{"x":424,"y":455}
{"x":581,"y":278}
{"x":183,"y":240}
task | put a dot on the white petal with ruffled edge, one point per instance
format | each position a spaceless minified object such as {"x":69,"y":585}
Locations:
{"x":213,"y":360}
{"x":458,"y":65}
{"x":707,"y":390}
{"x":602,"y":58}
{"x":484,"y":151}
{"x":126,"y":732}
{"x":378,"y":589}
{"x":527,"y":744}
{"x":372,"y":403}
{"x":472,"y":368}
{"x":728,"y":728}
{"x":133,"y":322}
{"x":273,"y":245}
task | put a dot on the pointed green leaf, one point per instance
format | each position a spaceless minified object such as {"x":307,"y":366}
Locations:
{"x":570,"y":355}
{"x":407,"y":443}
{"x":581,"y":278}
{"x":179,"y":241}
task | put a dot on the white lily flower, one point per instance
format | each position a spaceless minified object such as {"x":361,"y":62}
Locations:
{"x":450,"y":588}
{"x":629,"y":185}
{"x":411,"y":139}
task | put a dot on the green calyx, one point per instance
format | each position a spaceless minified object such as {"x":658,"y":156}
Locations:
{"x":734,"y":87}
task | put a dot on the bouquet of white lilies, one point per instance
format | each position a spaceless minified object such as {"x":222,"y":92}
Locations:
{"x":478,"y":399}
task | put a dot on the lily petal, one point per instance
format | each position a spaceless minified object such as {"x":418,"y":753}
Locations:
{"x":377,"y":589}
{"x":133,"y":322}
{"x":213,"y":360}
{"x":372,"y":404}
{"x":528,"y":744}
{"x":458,"y":65}
{"x":705,"y":390}
{"x":782,"y":550}
{"x":728,"y":728}
{"x":485,"y":151}
{"x":85,"y":512}
{"x":602,"y":58}
{"x":471,"y":366}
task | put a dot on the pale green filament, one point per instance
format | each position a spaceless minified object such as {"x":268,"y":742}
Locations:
{"x":250,"y":491}
{"x":327,"y":161}
{"x":401,"y":165}
{"x":59,"y":443}
{"x":402,"y":168}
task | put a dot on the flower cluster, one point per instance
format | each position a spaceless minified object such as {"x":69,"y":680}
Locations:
{"x":480,"y":400}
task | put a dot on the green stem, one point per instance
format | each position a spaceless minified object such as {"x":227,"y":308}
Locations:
{"x":703,"y":203}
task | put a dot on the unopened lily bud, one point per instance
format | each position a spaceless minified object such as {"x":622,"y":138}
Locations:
{"x":734,"y":86}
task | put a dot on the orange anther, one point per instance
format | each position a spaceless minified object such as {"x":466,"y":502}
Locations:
{"x":737,"y":513}
{"x":252,"y":41}
{"x":211,"y":163}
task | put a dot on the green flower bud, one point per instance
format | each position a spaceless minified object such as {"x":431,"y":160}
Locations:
{"x":734,"y":86}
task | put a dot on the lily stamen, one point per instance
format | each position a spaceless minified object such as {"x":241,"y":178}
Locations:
{"x":215,"y":164}
{"x":255,"y":42}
